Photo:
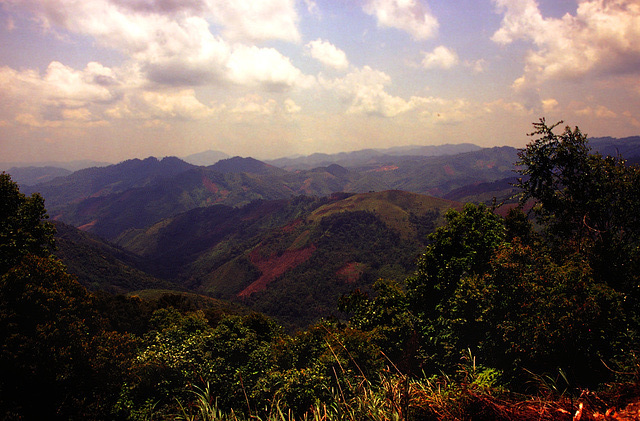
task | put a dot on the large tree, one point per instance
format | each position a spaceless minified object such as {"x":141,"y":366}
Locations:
{"x":23,"y":226}
{"x":588,"y":204}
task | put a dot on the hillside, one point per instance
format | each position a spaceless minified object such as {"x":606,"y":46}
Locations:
{"x":291,"y":258}
{"x":102,"y":266}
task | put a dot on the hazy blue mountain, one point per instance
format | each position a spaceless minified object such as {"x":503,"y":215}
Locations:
{"x":628,"y":147}
{"x":370,"y":156}
{"x":26,"y":176}
{"x":205,"y":158}
{"x":67,"y":165}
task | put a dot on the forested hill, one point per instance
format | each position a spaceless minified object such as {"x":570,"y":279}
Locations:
{"x":289,"y":258}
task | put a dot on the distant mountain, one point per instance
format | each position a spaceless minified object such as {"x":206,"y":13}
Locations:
{"x":502,"y":190}
{"x":137,"y":194}
{"x":206,"y":158}
{"x":101,"y":181}
{"x":237,"y":165}
{"x":26,"y":176}
{"x":628,"y":147}
{"x":67,"y":165}
{"x":291,"y":258}
{"x":370,"y":156}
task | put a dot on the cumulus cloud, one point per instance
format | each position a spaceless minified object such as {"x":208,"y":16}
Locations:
{"x":327,"y":54}
{"x":441,"y":57}
{"x":265,"y":67}
{"x":171,"y":41}
{"x":601,"y":38}
{"x":411,"y":16}
{"x":30,"y":94}
{"x":250,"y":20}
{"x":364,"y":90}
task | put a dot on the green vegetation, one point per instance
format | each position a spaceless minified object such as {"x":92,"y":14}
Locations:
{"x":519,"y":317}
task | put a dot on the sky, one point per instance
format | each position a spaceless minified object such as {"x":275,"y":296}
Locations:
{"x":110,"y":80}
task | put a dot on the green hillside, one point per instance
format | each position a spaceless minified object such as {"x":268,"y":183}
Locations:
{"x":268,"y":252}
{"x":102,"y":266}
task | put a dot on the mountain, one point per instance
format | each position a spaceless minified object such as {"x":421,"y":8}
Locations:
{"x":206,"y":158}
{"x":628,"y":147}
{"x":370,"y":156}
{"x":26,"y":176}
{"x":238,"y":165}
{"x":136,"y":194}
{"x":101,"y":181}
{"x":67,"y":165}
{"x":292,"y":258}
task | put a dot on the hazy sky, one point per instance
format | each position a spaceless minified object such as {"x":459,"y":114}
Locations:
{"x":117,"y":79}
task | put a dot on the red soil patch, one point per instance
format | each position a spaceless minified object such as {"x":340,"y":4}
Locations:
{"x":210,"y":185}
{"x":351,"y":272}
{"x":292,"y":225}
{"x":274,"y":266}
{"x":86,"y":227}
{"x":385,"y":168}
{"x":449,"y":170}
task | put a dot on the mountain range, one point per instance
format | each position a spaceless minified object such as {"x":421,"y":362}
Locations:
{"x":286,"y":237}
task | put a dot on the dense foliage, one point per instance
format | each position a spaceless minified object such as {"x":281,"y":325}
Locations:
{"x":546,"y":302}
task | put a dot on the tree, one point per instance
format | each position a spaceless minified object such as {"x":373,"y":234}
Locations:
{"x":23,"y":229}
{"x":460,"y":249}
{"x":587,"y":204}
{"x":56,"y":360}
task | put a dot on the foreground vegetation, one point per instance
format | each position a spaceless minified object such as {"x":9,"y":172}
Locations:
{"x":503,"y":319}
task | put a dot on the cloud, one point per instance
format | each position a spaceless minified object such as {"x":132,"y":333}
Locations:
{"x":602,"y":38}
{"x":599,"y":112}
{"x":549,"y":104}
{"x":411,"y":16}
{"x":171,"y":42}
{"x":327,"y":54}
{"x":250,"y":20}
{"x":441,"y":57}
{"x":265,"y":67}
{"x":312,"y":7}
{"x":291,"y":107}
{"x":256,"y":105}
{"x":364,"y":90}
{"x":60,"y":87}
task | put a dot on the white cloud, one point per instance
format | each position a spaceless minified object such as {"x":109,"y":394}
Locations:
{"x":251,"y":20}
{"x":549,"y":104}
{"x":255,"y":104}
{"x":312,"y":7}
{"x":364,"y":90}
{"x":441,"y":57}
{"x":171,"y":42}
{"x":411,"y":16}
{"x":602,"y":38}
{"x":266,"y":67}
{"x":327,"y":54}
{"x":478,"y":66}
{"x":28,"y":96}
{"x":291,"y":107}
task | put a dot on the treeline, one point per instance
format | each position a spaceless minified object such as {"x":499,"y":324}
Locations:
{"x":499,"y":308}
